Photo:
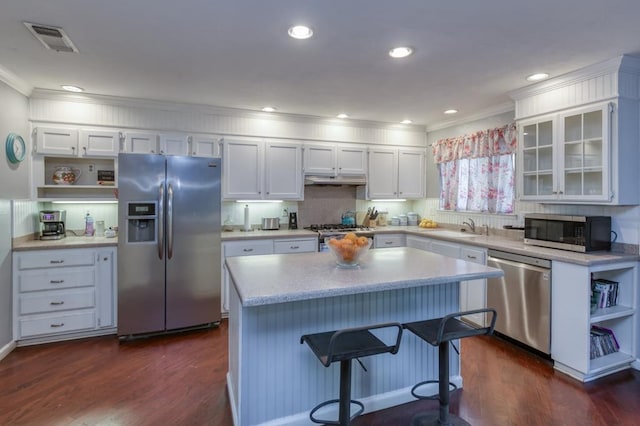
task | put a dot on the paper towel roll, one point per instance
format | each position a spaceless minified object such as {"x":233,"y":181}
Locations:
{"x":247,"y":224}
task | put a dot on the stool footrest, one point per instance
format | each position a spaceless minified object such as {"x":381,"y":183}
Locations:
{"x":436,"y":396}
{"x":335,"y":401}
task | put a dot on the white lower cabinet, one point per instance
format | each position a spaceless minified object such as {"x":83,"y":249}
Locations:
{"x":258,"y":247}
{"x":473,"y":294}
{"x":63,"y":294}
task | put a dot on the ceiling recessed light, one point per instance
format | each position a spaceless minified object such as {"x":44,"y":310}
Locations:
{"x":75,"y":89}
{"x":400,"y":52}
{"x":300,"y":32}
{"x":269,"y":109}
{"x":406,"y":121}
{"x":342,"y":115}
{"x":538,"y":76}
{"x":451,"y":111}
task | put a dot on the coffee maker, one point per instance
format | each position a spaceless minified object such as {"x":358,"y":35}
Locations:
{"x":52,"y":224}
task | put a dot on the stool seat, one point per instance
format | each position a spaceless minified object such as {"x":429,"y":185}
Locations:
{"x":343,"y":346}
{"x":440,"y":332}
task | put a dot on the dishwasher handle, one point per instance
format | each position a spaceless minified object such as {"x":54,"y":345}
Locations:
{"x":498,"y":263}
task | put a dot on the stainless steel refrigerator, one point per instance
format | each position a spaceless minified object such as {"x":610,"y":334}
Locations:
{"x":168,"y":243}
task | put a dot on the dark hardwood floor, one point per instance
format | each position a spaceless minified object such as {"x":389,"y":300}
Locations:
{"x":180,"y":380}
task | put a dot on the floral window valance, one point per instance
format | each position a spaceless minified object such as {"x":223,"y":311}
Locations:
{"x":484,"y":143}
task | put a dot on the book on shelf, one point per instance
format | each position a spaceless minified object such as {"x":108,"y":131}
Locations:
{"x":605,"y":292}
{"x":106,"y":177}
{"x":603,"y":342}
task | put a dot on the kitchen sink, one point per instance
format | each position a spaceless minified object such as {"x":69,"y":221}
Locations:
{"x":450,"y":234}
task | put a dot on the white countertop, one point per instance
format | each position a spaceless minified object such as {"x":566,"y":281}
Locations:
{"x":64,"y":243}
{"x":260,"y":234}
{"x":277,"y":278}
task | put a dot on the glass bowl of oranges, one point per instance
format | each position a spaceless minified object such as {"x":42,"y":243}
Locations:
{"x":348,"y":249}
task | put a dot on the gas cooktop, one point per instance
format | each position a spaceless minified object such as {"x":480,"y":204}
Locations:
{"x":337,"y":227}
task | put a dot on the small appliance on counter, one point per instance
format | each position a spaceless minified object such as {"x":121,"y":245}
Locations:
{"x":293,"y":220}
{"x":52,"y":224}
{"x":575,"y":233}
{"x":270,"y":223}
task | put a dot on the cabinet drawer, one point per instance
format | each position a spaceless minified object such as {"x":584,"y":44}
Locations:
{"x":46,"y":279}
{"x":56,"y":323}
{"x":473,"y":255}
{"x":295,"y":246}
{"x":55,"y":259}
{"x":382,"y":241}
{"x":248,"y":248}
{"x":56,"y":300}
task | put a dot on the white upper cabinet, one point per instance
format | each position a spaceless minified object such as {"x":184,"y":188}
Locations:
{"x":283,"y":171}
{"x":334,"y":160}
{"x":411,"y":173}
{"x":56,"y":141}
{"x":352,"y":160}
{"x":257,"y":170}
{"x":99,"y":143}
{"x":320,"y":159}
{"x":170,"y":144}
{"x":382,"y":181}
{"x":242,"y":173}
{"x":396,"y":173}
{"x":578,"y":136}
{"x":141,"y":143}
{"x":204,"y":146}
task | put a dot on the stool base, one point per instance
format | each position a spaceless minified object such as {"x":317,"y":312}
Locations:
{"x":433,"y":418}
{"x":337,"y":401}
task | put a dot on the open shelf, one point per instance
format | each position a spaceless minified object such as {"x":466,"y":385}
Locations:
{"x":612,"y":312}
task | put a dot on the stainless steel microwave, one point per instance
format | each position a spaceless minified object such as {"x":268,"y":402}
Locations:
{"x":575,"y":233}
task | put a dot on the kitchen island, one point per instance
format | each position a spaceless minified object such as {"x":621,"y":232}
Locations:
{"x":275,"y":299}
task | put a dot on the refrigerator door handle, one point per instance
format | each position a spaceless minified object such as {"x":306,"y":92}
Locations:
{"x":170,"y":222}
{"x":160,"y":220}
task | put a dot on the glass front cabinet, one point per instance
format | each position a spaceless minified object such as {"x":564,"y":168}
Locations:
{"x":565,"y":157}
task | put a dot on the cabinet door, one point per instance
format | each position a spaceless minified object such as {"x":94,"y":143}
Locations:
{"x":106,"y":287}
{"x":99,"y":143}
{"x":174,"y":145}
{"x":352,"y":160}
{"x":537,"y":159}
{"x":411,"y":174}
{"x":382,"y":180}
{"x":141,"y":143}
{"x":445,"y":248}
{"x":473,"y":293}
{"x":56,"y":141}
{"x":283,"y":171}
{"x":242,"y":169}
{"x":205,"y":146}
{"x":420,"y":243}
{"x":320,"y":160}
{"x":583,"y":154}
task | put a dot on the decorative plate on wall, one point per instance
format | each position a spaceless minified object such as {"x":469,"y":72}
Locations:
{"x":15,"y":148}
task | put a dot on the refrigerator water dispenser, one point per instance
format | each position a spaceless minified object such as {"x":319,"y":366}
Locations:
{"x":141,"y":222}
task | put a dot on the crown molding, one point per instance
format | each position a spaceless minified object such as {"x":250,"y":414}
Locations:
{"x":90,"y":98}
{"x":485,"y":113}
{"x":15,"y":82}
{"x":624,"y":63}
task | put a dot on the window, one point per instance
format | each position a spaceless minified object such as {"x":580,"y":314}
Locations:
{"x":477,"y":171}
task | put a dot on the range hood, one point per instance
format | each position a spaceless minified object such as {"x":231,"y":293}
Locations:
{"x":336,"y":180}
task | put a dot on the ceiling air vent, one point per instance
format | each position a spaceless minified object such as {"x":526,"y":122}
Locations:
{"x":52,"y":38}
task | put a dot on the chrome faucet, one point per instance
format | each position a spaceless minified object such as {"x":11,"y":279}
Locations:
{"x":471,"y":224}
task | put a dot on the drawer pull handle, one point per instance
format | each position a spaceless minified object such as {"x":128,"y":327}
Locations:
{"x":57,"y":325}
{"x":56,"y":281}
{"x":56,"y":261}
{"x":57,"y":303}
{"x":294,"y":247}
{"x":388,"y":242}
{"x":247,"y":250}
{"x":471,"y":257}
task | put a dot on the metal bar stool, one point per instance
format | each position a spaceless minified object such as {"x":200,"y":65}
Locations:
{"x":440,"y":332}
{"x":345,"y":345}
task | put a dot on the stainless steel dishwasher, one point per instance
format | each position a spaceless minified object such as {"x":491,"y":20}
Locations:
{"x":522,"y":298}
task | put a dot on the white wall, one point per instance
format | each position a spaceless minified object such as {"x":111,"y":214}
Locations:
{"x":14,"y":108}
